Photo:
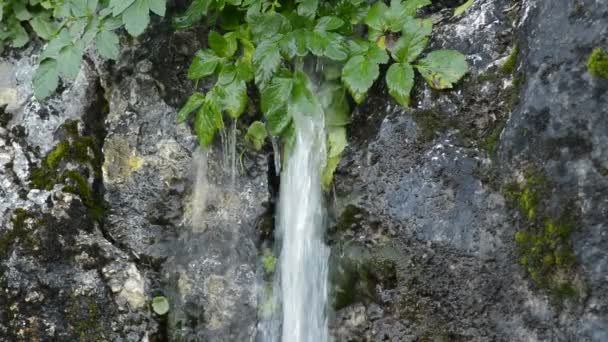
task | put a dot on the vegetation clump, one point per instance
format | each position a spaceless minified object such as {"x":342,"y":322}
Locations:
{"x":78,"y":149}
{"x":510,"y":64}
{"x":273,"y":46}
{"x":597,"y":64}
{"x":543,"y":242}
{"x":70,"y":27}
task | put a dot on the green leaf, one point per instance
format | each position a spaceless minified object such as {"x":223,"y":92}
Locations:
{"x":317,"y":42}
{"x":79,"y":8}
{"x":274,"y":99}
{"x":413,"y":40}
{"x":336,"y":49}
{"x":227,"y":75}
{"x":359,"y":75}
{"x":69,"y":61}
{"x":136,"y":17}
{"x":194,"y":102}
{"x":207,"y":122}
{"x":376,"y":55}
{"x":158,"y":6}
{"x":20,"y":12}
{"x":266,"y":60}
{"x":295,"y":44}
{"x":443,"y":68}
{"x":204,"y":64}
{"x":307,"y":8}
{"x":107,"y":44}
{"x":328,"y":173}
{"x":224,"y":47}
{"x":160,"y":305}
{"x":234,"y":99}
{"x":335,"y":105}
{"x":329,"y":24}
{"x":400,"y":80}
{"x":256,"y":134}
{"x":462,"y":8}
{"x":376,"y":16}
{"x":411,"y":6}
{"x":268,"y":25}
{"x":90,"y":31}
{"x":43,"y":27}
{"x":194,"y":13}
{"x":302,"y":101}
{"x":119,"y":6}
{"x":244,"y":70}
{"x":110,"y":24}
{"x":46,"y":78}
{"x":19,"y":35}
{"x":56,"y":44}
{"x":336,"y":140}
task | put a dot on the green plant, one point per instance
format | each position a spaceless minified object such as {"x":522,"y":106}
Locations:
{"x":160,"y":305}
{"x":597,"y":64}
{"x":270,"y":44}
{"x":70,"y":27}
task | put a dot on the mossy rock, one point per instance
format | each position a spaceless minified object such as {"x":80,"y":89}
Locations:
{"x":544,"y":242}
{"x":597,"y":64}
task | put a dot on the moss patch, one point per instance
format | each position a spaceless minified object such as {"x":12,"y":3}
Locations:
{"x":20,"y":232}
{"x":597,"y":64}
{"x":543,"y":242}
{"x":490,"y":141}
{"x":84,"y":319}
{"x":77,"y":149}
{"x":510,"y":64}
{"x":430,"y":123}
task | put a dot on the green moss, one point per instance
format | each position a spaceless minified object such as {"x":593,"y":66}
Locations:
{"x":490,"y":142}
{"x":57,"y":154}
{"x":84,"y":319}
{"x":269,"y":262}
{"x":77,"y":149}
{"x":543,"y":242}
{"x":429,"y":123}
{"x":597,"y":64}
{"x":510,"y":64}
{"x":20,"y":232}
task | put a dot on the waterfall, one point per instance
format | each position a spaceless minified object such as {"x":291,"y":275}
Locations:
{"x":201,"y":189}
{"x":301,"y":284}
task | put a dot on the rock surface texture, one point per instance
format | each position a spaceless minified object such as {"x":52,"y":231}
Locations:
{"x":435,"y":243}
{"x":480,"y":214}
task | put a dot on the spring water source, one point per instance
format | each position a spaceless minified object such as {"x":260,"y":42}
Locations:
{"x":301,"y":282}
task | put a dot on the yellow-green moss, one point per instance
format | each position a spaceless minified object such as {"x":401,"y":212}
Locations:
{"x":269,"y":262}
{"x":597,"y":64}
{"x":511,"y":63}
{"x":84,"y":319}
{"x":490,"y":142}
{"x":543,"y":242}
{"x":19,"y":232}
{"x":429,"y":123}
{"x":77,"y":149}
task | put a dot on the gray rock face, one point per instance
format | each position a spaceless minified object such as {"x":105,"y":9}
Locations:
{"x":105,"y":202}
{"x":178,"y":213}
{"x":437,"y":201}
{"x":53,"y":251}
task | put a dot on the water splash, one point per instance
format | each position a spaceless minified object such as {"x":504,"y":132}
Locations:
{"x":201,"y":189}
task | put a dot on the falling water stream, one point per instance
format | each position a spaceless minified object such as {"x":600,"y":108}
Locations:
{"x":301,"y":283}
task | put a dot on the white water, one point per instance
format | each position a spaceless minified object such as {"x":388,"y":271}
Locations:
{"x":304,"y":255}
{"x":201,"y":189}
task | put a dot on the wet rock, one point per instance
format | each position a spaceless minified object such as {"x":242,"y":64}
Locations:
{"x":432,"y":183}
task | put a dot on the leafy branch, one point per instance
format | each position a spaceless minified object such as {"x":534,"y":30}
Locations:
{"x":70,"y":27}
{"x":266,"y":43}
